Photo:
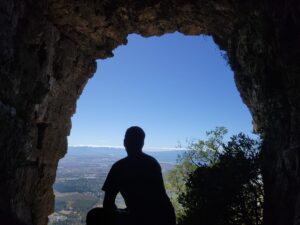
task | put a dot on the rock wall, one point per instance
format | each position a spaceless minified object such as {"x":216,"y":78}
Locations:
{"x":48,"y":52}
{"x":264,"y":53}
{"x":41,"y":76}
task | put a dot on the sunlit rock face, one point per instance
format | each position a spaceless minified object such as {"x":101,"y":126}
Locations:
{"x":48,"y":51}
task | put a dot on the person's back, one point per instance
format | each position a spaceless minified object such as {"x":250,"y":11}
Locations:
{"x":139,"y":179}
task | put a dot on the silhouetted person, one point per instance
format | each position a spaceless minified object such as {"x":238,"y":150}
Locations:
{"x":97,"y":216}
{"x":138,"y":178}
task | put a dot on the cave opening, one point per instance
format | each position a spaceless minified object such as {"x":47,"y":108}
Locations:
{"x":174,"y":86}
{"x":49,"y":51}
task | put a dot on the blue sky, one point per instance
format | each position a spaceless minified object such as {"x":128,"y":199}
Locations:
{"x":175,"y":87}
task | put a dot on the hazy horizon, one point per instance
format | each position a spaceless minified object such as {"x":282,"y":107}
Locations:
{"x":122,"y":147}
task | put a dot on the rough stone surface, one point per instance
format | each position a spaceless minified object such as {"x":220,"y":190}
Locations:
{"x":48,"y":50}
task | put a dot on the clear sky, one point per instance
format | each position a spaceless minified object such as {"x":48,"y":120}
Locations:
{"x":175,"y":87}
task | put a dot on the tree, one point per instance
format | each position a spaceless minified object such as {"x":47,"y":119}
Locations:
{"x":199,"y":152}
{"x":226,"y":187}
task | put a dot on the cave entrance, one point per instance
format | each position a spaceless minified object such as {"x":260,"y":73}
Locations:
{"x":174,"y":87}
{"x":48,"y":52}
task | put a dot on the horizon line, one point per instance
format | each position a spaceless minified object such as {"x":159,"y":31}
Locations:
{"x":122,"y":147}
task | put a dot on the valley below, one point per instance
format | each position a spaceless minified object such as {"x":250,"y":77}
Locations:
{"x":80,"y":176}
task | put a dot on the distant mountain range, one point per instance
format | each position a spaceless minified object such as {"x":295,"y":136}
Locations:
{"x":163,"y":156}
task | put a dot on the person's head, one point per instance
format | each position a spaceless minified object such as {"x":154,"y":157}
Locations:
{"x":134,"y":140}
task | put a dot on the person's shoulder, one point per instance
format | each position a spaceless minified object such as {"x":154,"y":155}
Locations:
{"x":147,"y":156}
{"x":151,"y":162}
{"x":120,"y":163}
{"x":150,"y":158}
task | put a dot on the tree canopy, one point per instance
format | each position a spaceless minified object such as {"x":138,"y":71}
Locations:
{"x":217,"y":182}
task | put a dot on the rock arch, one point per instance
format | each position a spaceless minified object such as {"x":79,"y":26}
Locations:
{"x":48,"y":52}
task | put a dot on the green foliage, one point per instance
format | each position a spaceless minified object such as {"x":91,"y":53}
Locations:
{"x":220,"y":183}
{"x":199,"y":152}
